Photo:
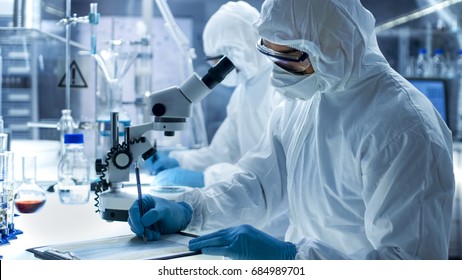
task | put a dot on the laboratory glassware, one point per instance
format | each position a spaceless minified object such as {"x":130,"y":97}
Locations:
{"x":114,"y":63}
{"x":29,"y":197}
{"x":74,"y":171}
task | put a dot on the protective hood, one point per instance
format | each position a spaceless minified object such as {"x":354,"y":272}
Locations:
{"x":323,"y":29}
{"x":230,"y":32}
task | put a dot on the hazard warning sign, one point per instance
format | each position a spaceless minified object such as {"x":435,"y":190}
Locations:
{"x":77,"y":80}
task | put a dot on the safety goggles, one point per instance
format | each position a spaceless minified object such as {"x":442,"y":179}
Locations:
{"x":212,"y":60}
{"x":294,"y":61}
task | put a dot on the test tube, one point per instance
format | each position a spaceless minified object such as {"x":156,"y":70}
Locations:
{"x":3,"y":198}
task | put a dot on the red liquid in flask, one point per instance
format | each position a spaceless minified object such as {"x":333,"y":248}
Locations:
{"x":29,"y":206}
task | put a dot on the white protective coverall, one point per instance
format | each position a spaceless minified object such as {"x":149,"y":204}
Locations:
{"x":230,"y":32}
{"x":365,"y":163}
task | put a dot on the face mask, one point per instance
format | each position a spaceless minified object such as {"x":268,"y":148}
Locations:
{"x":292,"y":85}
{"x":231,"y":80}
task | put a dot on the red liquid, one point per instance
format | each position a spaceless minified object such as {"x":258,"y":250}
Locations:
{"x":29,"y":206}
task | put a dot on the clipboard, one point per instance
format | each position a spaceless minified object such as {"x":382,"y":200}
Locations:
{"x":125,"y":247}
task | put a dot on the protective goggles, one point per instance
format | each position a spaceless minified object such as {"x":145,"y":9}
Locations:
{"x":294,"y":61}
{"x":212,"y":60}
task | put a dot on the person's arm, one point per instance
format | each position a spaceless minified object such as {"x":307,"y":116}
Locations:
{"x":224,"y":146}
{"x":250,"y":195}
{"x":408,"y":193}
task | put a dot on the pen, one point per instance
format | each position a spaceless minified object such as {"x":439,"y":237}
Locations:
{"x":140,"y":195}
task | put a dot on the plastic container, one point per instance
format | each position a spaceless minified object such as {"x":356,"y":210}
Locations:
{"x":74,"y":171}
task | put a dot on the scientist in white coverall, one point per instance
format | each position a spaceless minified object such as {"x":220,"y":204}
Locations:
{"x":229,"y":32}
{"x":363,"y":157}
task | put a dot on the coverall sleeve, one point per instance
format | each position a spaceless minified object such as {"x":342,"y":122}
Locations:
{"x":224,"y":146}
{"x":408,"y":193}
{"x":251,"y":195}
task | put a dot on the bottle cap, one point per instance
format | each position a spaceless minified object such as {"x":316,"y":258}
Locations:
{"x":74,"y":138}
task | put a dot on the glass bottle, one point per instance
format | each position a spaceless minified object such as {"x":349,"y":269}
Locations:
{"x":29,"y":197}
{"x":438,"y":64}
{"x":66,"y":125}
{"x":421,"y":64}
{"x":74,"y":171}
{"x":458,"y":65}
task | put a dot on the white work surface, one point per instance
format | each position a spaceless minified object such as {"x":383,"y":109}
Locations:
{"x":57,"y":223}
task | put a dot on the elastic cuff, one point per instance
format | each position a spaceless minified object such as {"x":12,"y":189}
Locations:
{"x":187,"y":213}
{"x":291,"y":251}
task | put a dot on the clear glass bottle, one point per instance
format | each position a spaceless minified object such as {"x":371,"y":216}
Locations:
{"x":29,"y":197}
{"x":66,"y":125}
{"x":74,"y":171}
{"x":438,"y":64}
{"x":421,"y":63}
{"x":458,"y":66}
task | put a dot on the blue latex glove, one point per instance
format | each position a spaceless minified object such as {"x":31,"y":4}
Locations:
{"x":243,"y":243}
{"x":179,"y":177}
{"x":160,"y":161}
{"x":161,"y":217}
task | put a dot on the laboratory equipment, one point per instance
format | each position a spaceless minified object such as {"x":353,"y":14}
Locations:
{"x":9,"y":186}
{"x":114,"y":63}
{"x":93,"y":19}
{"x":74,"y":171}
{"x":3,"y":198}
{"x":170,"y":107}
{"x":27,"y":13}
{"x":140,"y":195}
{"x":143,"y":77}
{"x":458,"y":66}
{"x":196,"y":124}
{"x":29,"y":197}
{"x":66,"y":125}
{"x":422,"y":63}
{"x":439,"y":67}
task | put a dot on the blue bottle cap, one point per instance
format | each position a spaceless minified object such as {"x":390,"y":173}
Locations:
{"x":75,"y":138}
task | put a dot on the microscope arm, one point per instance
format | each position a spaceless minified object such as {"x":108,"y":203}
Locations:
{"x":170,"y":108}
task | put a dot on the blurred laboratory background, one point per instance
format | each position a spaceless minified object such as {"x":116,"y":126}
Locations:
{"x":65,"y":68}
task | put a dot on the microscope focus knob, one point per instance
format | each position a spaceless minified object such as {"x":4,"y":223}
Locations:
{"x":159,"y":110}
{"x":122,"y":159}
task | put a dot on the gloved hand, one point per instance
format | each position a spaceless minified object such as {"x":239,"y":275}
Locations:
{"x":160,"y":161}
{"x":179,"y":177}
{"x":161,"y":217}
{"x":243,"y":243}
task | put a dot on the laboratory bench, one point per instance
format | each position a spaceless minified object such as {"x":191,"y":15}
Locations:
{"x":57,"y":223}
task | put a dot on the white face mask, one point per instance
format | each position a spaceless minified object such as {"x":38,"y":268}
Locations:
{"x":231,"y":80}
{"x":294,"y":86}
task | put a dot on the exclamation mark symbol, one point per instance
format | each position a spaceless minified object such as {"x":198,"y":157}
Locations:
{"x":73,"y":76}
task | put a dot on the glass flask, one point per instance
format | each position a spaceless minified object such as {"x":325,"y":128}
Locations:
{"x":29,"y":197}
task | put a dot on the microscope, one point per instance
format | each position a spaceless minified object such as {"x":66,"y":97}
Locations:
{"x":170,"y":108}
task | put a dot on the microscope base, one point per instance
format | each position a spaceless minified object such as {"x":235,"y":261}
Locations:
{"x":114,"y":203}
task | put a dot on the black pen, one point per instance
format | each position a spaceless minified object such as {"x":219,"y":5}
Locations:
{"x":140,"y":195}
